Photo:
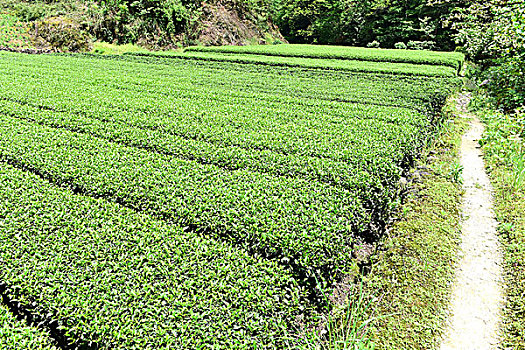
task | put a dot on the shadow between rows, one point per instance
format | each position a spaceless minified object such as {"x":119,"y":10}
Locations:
{"x":34,"y":316}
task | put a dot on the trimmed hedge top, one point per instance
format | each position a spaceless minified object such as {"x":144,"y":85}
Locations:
{"x":452,"y":59}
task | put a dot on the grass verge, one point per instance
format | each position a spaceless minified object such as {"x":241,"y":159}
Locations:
{"x":103,"y":48}
{"x":504,"y":151}
{"x":412,"y":271}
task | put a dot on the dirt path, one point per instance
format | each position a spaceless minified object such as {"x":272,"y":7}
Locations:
{"x":477,"y":295}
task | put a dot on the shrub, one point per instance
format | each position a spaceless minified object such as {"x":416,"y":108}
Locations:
{"x":62,"y":34}
{"x":400,"y":45}
{"x":373,"y":44}
{"x":492,"y":36}
{"x":29,"y":12}
{"x":506,"y":82}
{"x":344,"y":53}
{"x":421,"y":45}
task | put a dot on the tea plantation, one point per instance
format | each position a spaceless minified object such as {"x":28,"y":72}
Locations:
{"x":205,"y":199}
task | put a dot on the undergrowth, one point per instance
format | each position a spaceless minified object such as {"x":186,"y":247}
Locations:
{"x":115,"y":49}
{"x":504,"y":151}
{"x":13,"y":33}
{"x":348,"y":326}
{"x":416,"y":260}
{"x":402,"y":302}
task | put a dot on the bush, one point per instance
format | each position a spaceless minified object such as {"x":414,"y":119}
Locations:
{"x":344,"y":53}
{"x":29,"y":12}
{"x":421,"y":45}
{"x":373,"y":44}
{"x":492,"y":36}
{"x":400,"y":45}
{"x":506,"y":82}
{"x":62,"y":34}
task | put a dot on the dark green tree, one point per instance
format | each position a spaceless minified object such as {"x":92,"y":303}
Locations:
{"x":355,"y":22}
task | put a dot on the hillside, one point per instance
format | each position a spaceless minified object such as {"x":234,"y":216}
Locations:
{"x":66,"y":25}
{"x":72,"y":25}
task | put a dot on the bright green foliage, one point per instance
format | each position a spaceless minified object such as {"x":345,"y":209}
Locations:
{"x":219,"y":195}
{"x":505,"y":151}
{"x":507,"y":80}
{"x":493,"y":35}
{"x":300,"y":62}
{"x":275,"y":87}
{"x":248,"y":206}
{"x":150,"y":23}
{"x":125,"y":281}
{"x":412,"y":274}
{"x":359,"y":23}
{"x":270,"y":215}
{"x":126,"y":21}
{"x":17,"y":335}
{"x":452,"y":59}
{"x":348,"y":175}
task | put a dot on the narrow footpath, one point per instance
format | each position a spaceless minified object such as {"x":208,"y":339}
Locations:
{"x":477,"y":292}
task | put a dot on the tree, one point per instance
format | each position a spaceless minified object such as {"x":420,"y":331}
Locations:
{"x":355,"y":22}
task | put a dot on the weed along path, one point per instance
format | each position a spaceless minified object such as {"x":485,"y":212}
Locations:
{"x":477,"y":294}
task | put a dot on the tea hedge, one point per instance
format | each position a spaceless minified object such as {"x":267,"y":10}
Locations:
{"x":305,"y":224}
{"x":187,"y":167}
{"x":227,"y":81}
{"x":16,"y":334}
{"x":184,"y":115}
{"x":452,"y":59}
{"x":120,"y":280}
{"x":139,"y":111}
{"x":350,"y":176}
{"x":311,"y":63}
{"x":288,"y":83}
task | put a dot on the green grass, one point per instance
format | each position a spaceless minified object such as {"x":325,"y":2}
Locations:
{"x":348,"y":325}
{"x":103,"y":48}
{"x":504,"y":151}
{"x":411,"y":274}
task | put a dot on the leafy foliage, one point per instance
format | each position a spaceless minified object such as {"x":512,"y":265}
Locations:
{"x":154,"y":23}
{"x":62,"y":34}
{"x":123,"y":280}
{"x":407,"y":69}
{"x":413,"y":272}
{"x":363,"y":22}
{"x":505,"y":151}
{"x":493,"y":35}
{"x":126,"y":20}
{"x":13,"y":33}
{"x":266,"y":222}
{"x":217,"y":199}
{"x":507,"y":82}
{"x":269,"y":130}
{"x":15,"y":334}
{"x":452,"y":59}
